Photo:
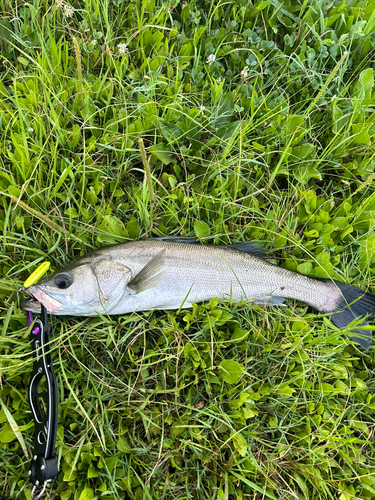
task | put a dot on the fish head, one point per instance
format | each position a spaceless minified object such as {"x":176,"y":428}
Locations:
{"x":84,"y":288}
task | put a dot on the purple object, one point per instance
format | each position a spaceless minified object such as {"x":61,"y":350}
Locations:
{"x":29,"y":318}
{"x":30,"y":321}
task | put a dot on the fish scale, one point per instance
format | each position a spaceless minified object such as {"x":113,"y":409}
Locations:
{"x":215,"y":272}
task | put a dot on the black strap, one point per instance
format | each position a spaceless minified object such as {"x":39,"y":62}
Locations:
{"x":44,"y":406}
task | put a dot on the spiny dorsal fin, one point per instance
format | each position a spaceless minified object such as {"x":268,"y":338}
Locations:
{"x":149,"y":276}
{"x":247,"y":247}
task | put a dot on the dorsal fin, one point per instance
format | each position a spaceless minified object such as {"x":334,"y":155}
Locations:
{"x":247,"y":247}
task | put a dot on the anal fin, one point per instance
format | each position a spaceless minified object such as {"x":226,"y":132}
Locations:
{"x":268,"y":300}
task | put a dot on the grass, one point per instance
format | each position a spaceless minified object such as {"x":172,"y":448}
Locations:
{"x":272,"y":140}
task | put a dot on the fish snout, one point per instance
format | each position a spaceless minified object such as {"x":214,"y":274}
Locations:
{"x":50,"y":303}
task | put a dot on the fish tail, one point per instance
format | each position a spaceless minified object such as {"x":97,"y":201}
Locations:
{"x":354,"y":303}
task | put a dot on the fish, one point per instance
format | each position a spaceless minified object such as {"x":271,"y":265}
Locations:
{"x":175,"y":272}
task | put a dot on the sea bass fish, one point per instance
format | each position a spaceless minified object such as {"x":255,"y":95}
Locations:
{"x":172,"y":273}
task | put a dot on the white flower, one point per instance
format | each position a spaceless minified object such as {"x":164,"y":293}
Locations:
{"x":244,"y":72}
{"x":68,"y":10}
{"x":122,"y":49}
{"x":211,"y":58}
{"x":201,"y":109}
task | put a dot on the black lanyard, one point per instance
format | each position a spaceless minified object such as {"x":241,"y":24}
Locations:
{"x":44,"y":407}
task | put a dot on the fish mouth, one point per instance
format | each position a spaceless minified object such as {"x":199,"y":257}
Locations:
{"x":50,"y":303}
{"x":31,"y":305}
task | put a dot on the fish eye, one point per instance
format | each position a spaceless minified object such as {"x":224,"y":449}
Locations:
{"x":63,"y":281}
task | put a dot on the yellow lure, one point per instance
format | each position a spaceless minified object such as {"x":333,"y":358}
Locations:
{"x":37,"y":274}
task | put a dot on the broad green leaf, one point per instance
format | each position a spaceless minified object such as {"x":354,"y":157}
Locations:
{"x":64,"y":495}
{"x":123,"y":445}
{"x":294,"y":129}
{"x":230,"y":371}
{"x":170,"y":131}
{"x":186,"y":50}
{"x":75,"y":135}
{"x":113,"y":225}
{"x":342,"y":388}
{"x":371,"y":21}
{"x":249,"y":412}
{"x":87,"y":494}
{"x":262,"y":5}
{"x":339,"y":120}
{"x":281,"y":239}
{"x":240,"y":443}
{"x":134,"y":229}
{"x":92,"y":472}
{"x":185,"y":13}
{"x":286,"y":391}
{"x":6,"y":436}
{"x":361,"y":133}
{"x":102,"y":487}
{"x":327,"y":389}
{"x":367,"y":253}
{"x":217,"y":317}
{"x":305,"y":267}
{"x":369,"y":490}
{"x":323,"y":259}
{"x":71,"y":212}
{"x":304,"y":173}
{"x":198,"y":33}
{"x":162,"y":152}
{"x":23,"y":60}
{"x":346,"y":231}
{"x":14,"y":191}
{"x":364,"y":86}
{"x":348,"y":491}
{"x":201,"y":229}
{"x":240,"y":335}
{"x":304,"y":151}
{"x":225,"y":110}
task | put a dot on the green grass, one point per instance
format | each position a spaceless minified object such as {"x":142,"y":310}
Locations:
{"x":273,"y":141}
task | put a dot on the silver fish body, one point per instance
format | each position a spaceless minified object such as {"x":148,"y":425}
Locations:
{"x":170,"y":273}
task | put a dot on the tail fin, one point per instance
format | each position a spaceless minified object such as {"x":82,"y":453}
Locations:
{"x":354,"y":303}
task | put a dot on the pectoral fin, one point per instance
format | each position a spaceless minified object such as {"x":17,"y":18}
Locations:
{"x":150,"y":275}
